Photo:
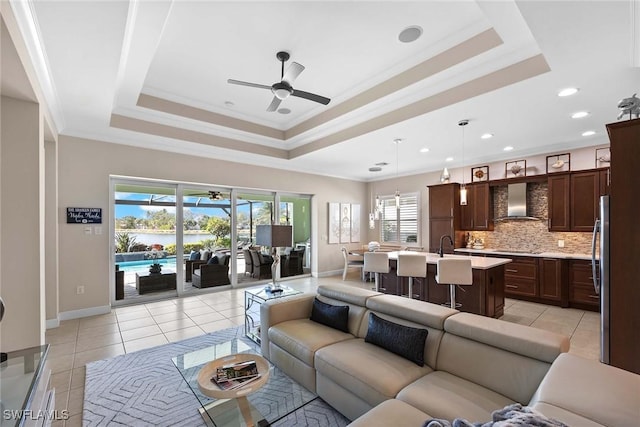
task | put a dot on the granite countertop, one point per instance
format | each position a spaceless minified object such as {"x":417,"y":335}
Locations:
{"x":477,"y":263}
{"x":558,"y":255}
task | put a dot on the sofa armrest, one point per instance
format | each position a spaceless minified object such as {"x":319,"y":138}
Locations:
{"x":280,"y":310}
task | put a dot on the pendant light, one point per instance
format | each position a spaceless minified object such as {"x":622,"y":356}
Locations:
{"x":397,"y":141}
{"x":372,"y":210}
{"x":463,"y":188}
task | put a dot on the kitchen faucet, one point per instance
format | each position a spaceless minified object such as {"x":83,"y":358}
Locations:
{"x":441,"y":250}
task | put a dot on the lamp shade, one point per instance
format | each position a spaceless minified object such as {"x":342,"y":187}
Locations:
{"x":274,"y":235}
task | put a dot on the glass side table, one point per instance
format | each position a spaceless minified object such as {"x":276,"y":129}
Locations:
{"x":253,"y":299}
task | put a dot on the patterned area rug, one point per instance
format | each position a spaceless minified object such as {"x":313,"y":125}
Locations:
{"x":144,"y":388}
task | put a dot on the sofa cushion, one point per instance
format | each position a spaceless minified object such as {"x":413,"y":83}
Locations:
{"x":447,"y":396}
{"x":334,"y":316}
{"x":368,"y":371}
{"x":348,"y":294}
{"x":423,"y":313}
{"x":213,"y":260}
{"x":392,"y":412}
{"x":509,"y":374}
{"x":402,"y":340}
{"x":204,"y":255}
{"x":303,"y":337}
{"x":531,"y":342}
{"x":601,"y":393}
{"x":194,"y":255}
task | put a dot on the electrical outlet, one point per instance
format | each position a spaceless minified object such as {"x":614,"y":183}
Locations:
{"x":80,"y":290}
{"x":561,"y":243}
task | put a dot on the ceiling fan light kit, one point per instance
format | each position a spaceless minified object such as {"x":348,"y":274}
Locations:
{"x":283,"y":89}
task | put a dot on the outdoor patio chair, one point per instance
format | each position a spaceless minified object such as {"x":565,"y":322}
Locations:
{"x":210,"y":275}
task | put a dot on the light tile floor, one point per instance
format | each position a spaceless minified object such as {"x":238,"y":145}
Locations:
{"x":131,"y":328}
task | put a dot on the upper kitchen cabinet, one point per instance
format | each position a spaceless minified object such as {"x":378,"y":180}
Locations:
{"x":574,"y":199}
{"x":444,"y":214}
{"x":477,"y":215}
{"x":559,"y":201}
{"x":585,"y":199}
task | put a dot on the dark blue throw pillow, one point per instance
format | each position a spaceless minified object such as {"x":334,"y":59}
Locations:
{"x":194,"y":255}
{"x":334,"y":316}
{"x":402,"y":340}
{"x":213,"y":260}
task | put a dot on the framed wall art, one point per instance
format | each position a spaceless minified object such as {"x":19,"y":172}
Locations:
{"x":479,"y":174}
{"x":603,"y":157}
{"x":515,"y":168}
{"x":559,"y":163}
{"x":355,"y":223}
{"x":334,"y":222}
{"x":345,"y":222}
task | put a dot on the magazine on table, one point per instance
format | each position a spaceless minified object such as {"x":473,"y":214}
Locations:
{"x":236,"y":375}
{"x":235,"y":383}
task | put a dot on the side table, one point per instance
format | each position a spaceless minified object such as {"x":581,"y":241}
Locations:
{"x":253,"y":299}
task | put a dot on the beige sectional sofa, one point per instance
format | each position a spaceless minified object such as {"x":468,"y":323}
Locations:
{"x":473,"y":365}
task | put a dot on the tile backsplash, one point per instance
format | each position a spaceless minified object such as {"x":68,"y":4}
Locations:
{"x":530,"y":235}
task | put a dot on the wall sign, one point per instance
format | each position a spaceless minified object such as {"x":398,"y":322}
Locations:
{"x":84,"y":215}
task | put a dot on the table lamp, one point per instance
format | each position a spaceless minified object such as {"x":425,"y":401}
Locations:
{"x":274,"y":236}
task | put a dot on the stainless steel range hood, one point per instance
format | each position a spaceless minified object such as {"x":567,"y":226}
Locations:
{"x":517,"y":203}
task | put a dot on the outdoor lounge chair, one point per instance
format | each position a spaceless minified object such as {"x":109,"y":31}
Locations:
{"x":210,"y":275}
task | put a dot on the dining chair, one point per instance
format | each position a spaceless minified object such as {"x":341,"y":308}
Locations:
{"x":351,"y":263}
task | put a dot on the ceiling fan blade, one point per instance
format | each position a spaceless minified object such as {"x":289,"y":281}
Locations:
{"x":292,"y":73}
{"x":274,"y":104}
{"x":241,"y":83}
{"x":311,"y":96}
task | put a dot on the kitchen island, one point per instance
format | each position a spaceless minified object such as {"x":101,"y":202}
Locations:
{"x":484,"y":297}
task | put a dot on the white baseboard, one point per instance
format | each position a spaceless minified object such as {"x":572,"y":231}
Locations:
{"x":84,"y":312}
{"x":52,"y":323}
{"x":329,"y":273}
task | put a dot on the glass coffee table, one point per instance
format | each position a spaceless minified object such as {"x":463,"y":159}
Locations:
{"x":253,"y":299}
{"x":278,"y":397}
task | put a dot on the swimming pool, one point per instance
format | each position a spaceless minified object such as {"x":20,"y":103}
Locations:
{"x":141,"y":266}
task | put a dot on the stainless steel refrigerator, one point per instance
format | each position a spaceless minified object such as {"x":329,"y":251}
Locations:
{"x":601,"y":278}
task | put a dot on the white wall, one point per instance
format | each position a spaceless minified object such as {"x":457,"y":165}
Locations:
{"x":85,"y":167}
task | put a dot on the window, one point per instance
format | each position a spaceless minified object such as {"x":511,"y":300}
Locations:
{"x":399,"y":225}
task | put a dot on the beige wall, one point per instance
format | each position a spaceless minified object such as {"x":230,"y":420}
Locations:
{"x":51,"y":230}
{"x":21,"y":224}
{"x":85,"y":167}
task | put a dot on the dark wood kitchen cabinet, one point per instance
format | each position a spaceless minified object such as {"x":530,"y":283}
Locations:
{"x":444,"y":215}
{"x":582,"y":293}
{"x":624,"y":250}
{"x":521,"y":277}
{"x":559,"y":201}
{"x":553,"y":275}
{"x":477,"y":215}
{"x":585,"y":199}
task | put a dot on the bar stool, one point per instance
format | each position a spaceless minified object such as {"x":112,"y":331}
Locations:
{"x":411,"y":265}
{"x":453,"y":272}
{"x":376,"y":263}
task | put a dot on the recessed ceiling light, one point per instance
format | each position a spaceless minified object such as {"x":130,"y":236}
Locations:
{"x":375,"y":169}
{"x":424,"y":150}
{"x":568,"y":91}
{"x":508,"y":148}
{"x":449,"y":159}
{"x":589,"y":133}
{"x":579,"y":114}
{"x":410,"y":34}
{"x":486,"y":135}
{"x":284,"y":110}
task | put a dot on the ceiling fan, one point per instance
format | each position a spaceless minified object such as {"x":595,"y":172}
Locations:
{"x":283,"y":89}
{"x":213,"y":195}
